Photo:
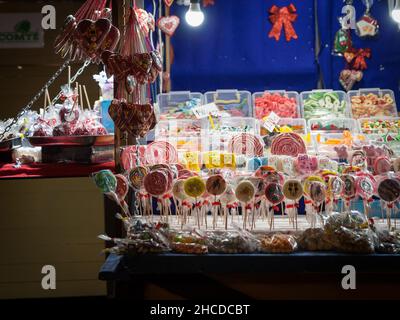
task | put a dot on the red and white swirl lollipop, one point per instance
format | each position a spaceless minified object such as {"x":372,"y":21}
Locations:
{"x":247,"y":144}
{"x":288,"y":144}
{"x":160,"y":152}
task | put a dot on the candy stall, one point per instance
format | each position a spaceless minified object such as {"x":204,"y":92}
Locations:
{"x":235,"y":181}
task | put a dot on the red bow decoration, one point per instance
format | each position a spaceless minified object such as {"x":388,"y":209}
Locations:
{"x":356,"y":58}
{"x":291,"y":206}
{"x":283,"y":17}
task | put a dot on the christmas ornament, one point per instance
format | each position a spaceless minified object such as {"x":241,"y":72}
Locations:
{"x":283,"y":17}
{"x":168,"y":25}
{"x":355,"y":58}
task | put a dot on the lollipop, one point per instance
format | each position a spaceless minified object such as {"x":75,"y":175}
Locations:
{"x":274,"y":193}
{"x":136,"y":177}
{"x":382,"y":165}
{"x":292,"y":189}
{"x":228,"y":196}
{"x":178,"y":190}
{"x":194,"y":187}
{"x":105,"y":181}
{"x":289,"y":144}
{"x":389,"y":190}
{"x":365,"y":187}
{"x":396,"y":165}
{"x":156,"y":183}
{"x":245,"y":192}
{"x":122,"y":186}
{"x":216,"y":185}
{"x":247,"y":144}
{"x":349,"y":190}
{"x":317,"y":192}
{"x":259,"y":185}
{"x":335,"y":186}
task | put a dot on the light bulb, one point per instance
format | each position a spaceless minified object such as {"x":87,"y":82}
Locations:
{"x":194,"y":16}
{"x":396,"y":12}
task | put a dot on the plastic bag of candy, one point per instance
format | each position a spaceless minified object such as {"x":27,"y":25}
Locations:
{"x":314,"y":239}
{"x":388,"y":240}
{"x":237,"y":241}
{"x":349,"y":232}
{"x":278,"y":243}
{"x":188,"y":242}
{"x":142,"y":238}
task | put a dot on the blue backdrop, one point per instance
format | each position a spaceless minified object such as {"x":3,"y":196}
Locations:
{"x":231,"y":50}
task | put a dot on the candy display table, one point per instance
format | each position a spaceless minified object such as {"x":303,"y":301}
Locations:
{"x":301,"y":275}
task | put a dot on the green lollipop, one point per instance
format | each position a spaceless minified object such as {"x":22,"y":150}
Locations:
{"x":105,"y":181}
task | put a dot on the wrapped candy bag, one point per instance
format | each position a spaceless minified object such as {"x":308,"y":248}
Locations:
{"x":349,"y":232}
{"x":278,"y":243}
{"x":142,"y":238}
{"x":188,"y":242}
{"x":229,"y":242}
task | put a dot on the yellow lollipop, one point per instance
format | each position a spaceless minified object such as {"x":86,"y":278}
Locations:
{"x":307,"y":183}
{"x":194,"y":187}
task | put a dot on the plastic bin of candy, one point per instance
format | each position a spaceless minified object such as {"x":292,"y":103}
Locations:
{"x":323,"y":104}
{"x":234,"y":102}
{"x":179,"y":104}
{"x":296,"y":125}
{"x":285,"y":104}
{"x":337,"y":146}
{"x":379,"y":126}
{"x":231,"y":125}
{"x":336,"y":125}
{"x":178,"y":128}
{"x":367,"y":103}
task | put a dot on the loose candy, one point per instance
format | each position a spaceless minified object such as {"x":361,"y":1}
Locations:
{"x":288,"y":144}
{"x":373,"y":105}
{"x":216,"y":185}
{"x":122,"y":186}
{"x":136,"y":177}
{"x":324,"y":105}
{"x":281,"y":105}
{"x":106,"y":181}
{"x":245,"y":191}
{"x":389,"y":190}
{"x":156,"y":183}
{"x":274,"y":193}
{"x":194,"y":187}
{"x":292,"y":189}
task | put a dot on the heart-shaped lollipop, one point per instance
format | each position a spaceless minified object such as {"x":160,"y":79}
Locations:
{"x":168,"y":25}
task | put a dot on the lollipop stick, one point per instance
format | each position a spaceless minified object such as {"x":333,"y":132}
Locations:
{"x":80,"y":97}
{"x":69,"y":78}
{"x":226,"y":210}
{"x":197,"y":212}
{"x":48,"y":98}
{"x":87,"y":98}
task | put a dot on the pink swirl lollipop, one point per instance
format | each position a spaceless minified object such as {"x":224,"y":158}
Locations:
{"x":288,"y":144}
{"x":160,"y":152}
{"x":247,"y":144}
{"x":382,"y":165}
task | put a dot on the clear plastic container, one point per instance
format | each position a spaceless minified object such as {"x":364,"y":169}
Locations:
{"x":281,"y":110}
{"x":368,"y":103}
{"x":232,"y":125}
{"x":178,"y":104}
{"x":379,"y":126}
{"x":324,"y":104}
{"x":234,"y":102}
{"x":325,"y":143}
{"x":178,"y":128}
{"x":297,"y":125}
{"x":336,"y":125}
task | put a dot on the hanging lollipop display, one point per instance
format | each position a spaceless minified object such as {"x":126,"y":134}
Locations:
{"x":349,"y":191}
